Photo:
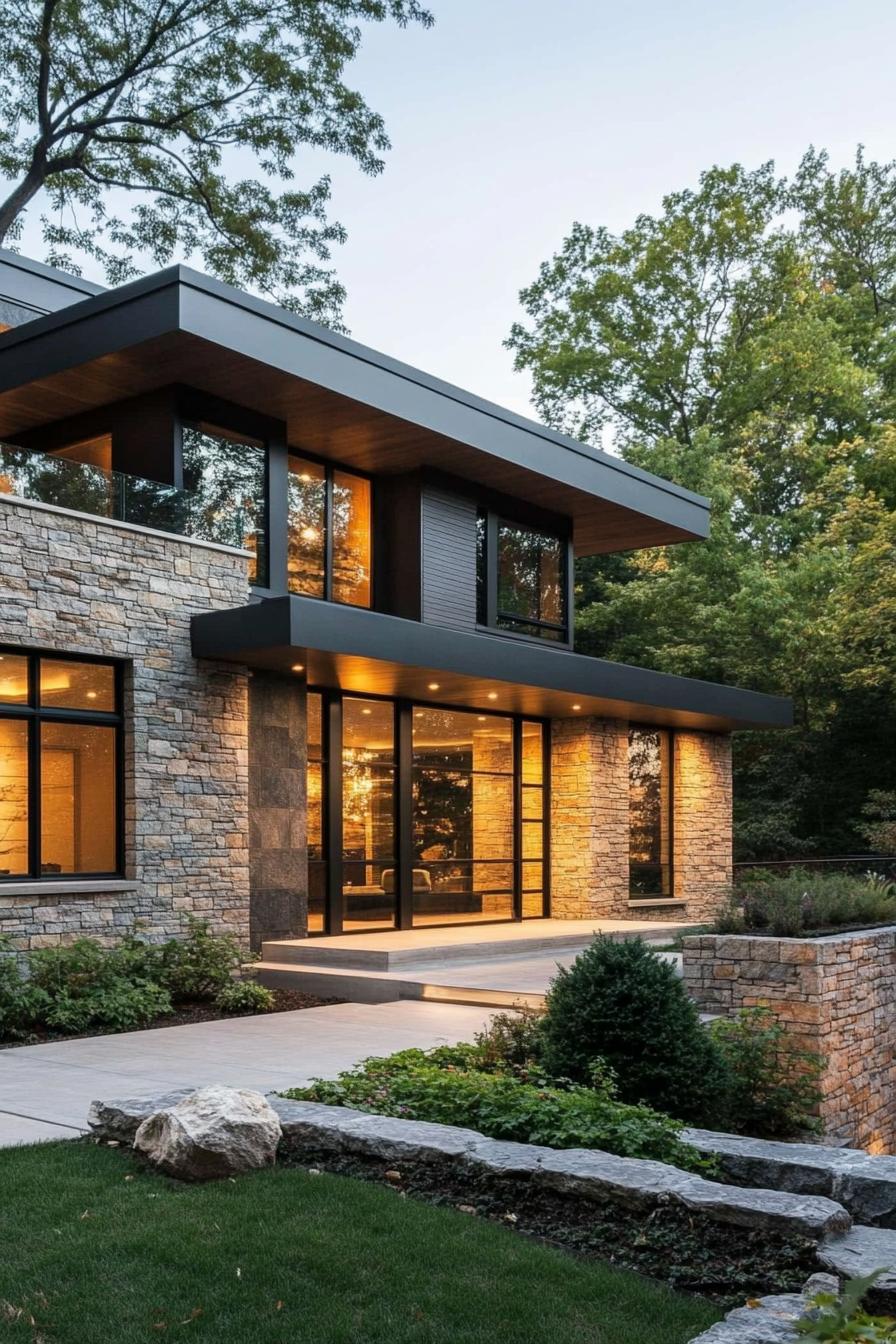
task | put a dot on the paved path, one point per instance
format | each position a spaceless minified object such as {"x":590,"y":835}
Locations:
{"x":45,"y":1089}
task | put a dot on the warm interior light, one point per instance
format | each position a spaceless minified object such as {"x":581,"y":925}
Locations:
{"x":493,"y":695}
{"x":433,"y":685}
{"x":91,"y":695}
{"x":481,"y":718}
{"x":577,"y":706}
{"x":366,"y":711}
{"x":298,"y":667}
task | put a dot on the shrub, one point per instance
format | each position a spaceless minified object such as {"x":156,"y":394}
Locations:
{"x":22,"y":1004}
{"x":511,"y":1039}
{"x":86,"y":985}
{"x":774,"y":1084}
{"x":624,"y":1004}
{"x":199,"y":965}
{"x":445,"y":1087}
{"x":792,"y":903}
{"x":839,"y":1319}
{"x":244,"y":996}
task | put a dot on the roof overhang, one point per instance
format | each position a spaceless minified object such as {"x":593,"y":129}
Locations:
{"x":368,"y":653}
{"x":338,"y":398}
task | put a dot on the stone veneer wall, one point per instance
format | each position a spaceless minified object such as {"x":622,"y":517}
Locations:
{"x":73,"y":584}
{"x":834,"y":995}
{"x":590,"y":823}
{"x":278,"y":856}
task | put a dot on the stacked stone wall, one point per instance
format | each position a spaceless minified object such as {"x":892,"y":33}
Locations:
{"x":835,"y":996}
{"x":77,"y":585}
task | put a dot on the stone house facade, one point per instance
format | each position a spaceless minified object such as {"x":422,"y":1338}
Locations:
{"x":286,"y":640}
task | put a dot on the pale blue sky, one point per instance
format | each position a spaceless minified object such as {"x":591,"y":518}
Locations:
{"x":512,"y":118}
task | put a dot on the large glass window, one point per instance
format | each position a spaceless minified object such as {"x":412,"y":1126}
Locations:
{"x":368,"y":814}
{"x":329,"y":542}
{"x":452,"y":803}
{"x":521,"y":579}
{"x":650,"y":812}
{"x":59,"y":754}
{"x":225,"y":480}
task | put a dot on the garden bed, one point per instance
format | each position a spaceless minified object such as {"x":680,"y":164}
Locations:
{"x":186,"y":1014}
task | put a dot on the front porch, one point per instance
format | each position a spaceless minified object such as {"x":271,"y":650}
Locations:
{"x":502,"y":966}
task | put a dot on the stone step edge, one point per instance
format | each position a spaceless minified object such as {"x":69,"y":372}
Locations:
{"x":315,"y":1128}
{"x":361,"y":986}
{"x":864,"y":1183}
{"x":770,"y":1320}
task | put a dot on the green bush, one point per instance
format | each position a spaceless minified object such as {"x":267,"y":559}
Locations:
{"x":22,"y":1004}
{"x":199,"y":965}
{"x":774,"y":1085}
{"x":87,"y":985}
{"x":511,"y":1040}
{"x":622,"y":1003}
{"x":798,"y":901}
{"x":447,"y":1086}
{"x":841,"y":1320}
{"x":244,"y":996}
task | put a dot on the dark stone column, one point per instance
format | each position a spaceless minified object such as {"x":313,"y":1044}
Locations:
{"x":278,"y":860}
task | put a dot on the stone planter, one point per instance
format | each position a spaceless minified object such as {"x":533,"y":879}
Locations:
{"x":835,"y":995}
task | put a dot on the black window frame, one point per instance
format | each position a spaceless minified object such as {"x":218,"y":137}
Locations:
{"x":488,"y":613}
{"x":330,"y":469}
{"x":34,"y":714}
{"x":668,"y":894}
{"x":403,"y":708}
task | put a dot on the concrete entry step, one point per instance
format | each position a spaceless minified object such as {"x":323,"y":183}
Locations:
{"x":467,"y":943}
{"x":509,"y":971}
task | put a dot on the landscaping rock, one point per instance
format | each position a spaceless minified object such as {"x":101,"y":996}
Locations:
{"x":771,"y":1320}
{"x":862,"y":1183}
{"x":861,"y":1251}
{"x":119,"y":1121}
{"x":212,"y":1133}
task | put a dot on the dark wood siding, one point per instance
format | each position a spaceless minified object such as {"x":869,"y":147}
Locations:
{"x":449,"y":559}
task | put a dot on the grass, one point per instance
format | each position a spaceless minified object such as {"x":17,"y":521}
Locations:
{"x":97,"y":1250}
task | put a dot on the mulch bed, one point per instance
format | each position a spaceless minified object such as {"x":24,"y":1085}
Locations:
{"x":724,"y":1263}
{"x":285,"y":1001}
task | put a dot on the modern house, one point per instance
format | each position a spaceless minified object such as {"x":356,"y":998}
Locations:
{"x":286,"y":639}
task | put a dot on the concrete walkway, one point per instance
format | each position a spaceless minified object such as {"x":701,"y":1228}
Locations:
{"x":45,"y":1090}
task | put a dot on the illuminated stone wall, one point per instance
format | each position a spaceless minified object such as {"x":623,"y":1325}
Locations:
{"x":85,"y":585}
{"x":835,"y":996}
{"x":590,"y":823}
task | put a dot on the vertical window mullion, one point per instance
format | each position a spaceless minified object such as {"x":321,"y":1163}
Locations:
{"x":34,"y":771}
{"x":328,"y":537}
{"x":517,"y":763}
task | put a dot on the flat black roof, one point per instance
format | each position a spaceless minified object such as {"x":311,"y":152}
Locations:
{"x":370,"y":653}
{"x":338,"y":397}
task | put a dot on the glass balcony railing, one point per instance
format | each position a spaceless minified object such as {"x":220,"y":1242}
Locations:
{"x":208,"y":515}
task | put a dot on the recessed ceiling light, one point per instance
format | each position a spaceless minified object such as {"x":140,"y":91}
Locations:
{"x":577,"y":706}
{"x":91,"y":695}
{"x":481,"y":718}
{"x":493,"y":695}
{"x":433,"y":685}
{"x":366,"y":711}
{"x":298,"y":667}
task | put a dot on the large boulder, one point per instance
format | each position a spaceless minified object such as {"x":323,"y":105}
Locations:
{"x":212,"y":1133}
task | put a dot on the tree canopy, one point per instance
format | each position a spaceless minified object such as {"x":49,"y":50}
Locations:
{"x":743,"y":343}
{"x":133,"y":119}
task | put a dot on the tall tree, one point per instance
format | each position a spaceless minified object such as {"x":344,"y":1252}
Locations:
{"x":742,"y":343}
{"x":132,"y":119}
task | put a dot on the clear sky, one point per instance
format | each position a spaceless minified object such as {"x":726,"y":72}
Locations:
{"x":511,"y":118}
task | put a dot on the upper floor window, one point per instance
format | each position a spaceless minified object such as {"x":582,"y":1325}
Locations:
{"x":521,"y":579}
{"x":650,"y":812}
{"x":329,"y":542}
{"x":60,"y":805}
{"x":225,"y":485}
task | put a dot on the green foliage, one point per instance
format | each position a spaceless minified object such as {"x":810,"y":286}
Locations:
{"x":741,"y":343}
{"x":162,"y":104}
{"x":624,"y":1004}
{"x":774,"y":1085}
{"x":879,"y":824}
{"x":799,"y":901}
{"x":21,"y":1003}
{"x":244,"y":996}
{"x":449,"y":1086}
{"x":841,"y":1320}
{"x":87,"y":985}
{"x":199,"y":965}
{"x":511,"y":1040}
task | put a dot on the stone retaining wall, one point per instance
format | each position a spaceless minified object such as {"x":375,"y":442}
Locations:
{"x":834,"y":995}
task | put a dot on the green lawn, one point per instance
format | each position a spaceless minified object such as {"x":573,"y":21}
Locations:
{"x":97,"y":1251}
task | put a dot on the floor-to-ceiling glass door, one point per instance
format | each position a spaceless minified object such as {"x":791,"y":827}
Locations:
{"x":422,"y":815}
